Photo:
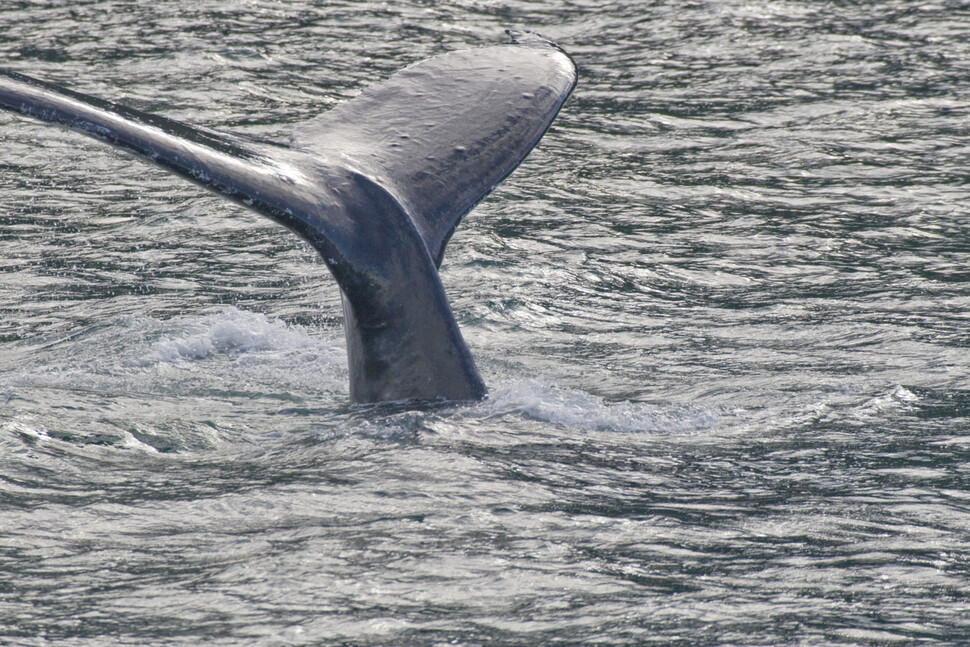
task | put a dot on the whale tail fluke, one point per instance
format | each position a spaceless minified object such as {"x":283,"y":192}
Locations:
{"x":377,"y":185}
{"x":444,"y":132}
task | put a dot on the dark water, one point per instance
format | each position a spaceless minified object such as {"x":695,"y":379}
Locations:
{"x":722,"y":311}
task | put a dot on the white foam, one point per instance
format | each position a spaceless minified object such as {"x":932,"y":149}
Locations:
{"x":143,"y":355}
{"x":17,"y":426}
{"x":129,"y":441}
{"x":540,"y":400}
{"x":899,"y":398}
{"x":230,"y":331}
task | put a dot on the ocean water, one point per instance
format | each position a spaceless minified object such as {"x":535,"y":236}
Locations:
{"x":722,"y":311}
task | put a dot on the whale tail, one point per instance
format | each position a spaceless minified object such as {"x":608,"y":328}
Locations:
{"x":377,"y":185}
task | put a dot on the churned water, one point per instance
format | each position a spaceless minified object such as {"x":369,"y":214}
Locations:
{"x":722,"y":310}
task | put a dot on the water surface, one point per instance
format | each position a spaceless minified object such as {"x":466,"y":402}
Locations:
{"x":722,"y":311}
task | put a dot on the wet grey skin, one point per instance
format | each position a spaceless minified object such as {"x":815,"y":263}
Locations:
{"x":377,"y":186}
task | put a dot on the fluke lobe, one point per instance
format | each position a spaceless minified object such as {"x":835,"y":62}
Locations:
{"x":376,"y":185}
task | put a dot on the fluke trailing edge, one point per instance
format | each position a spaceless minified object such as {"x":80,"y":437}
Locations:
{"x":377,"y":185}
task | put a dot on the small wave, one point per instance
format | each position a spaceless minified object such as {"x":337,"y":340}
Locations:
{"x":900,"y":398}
{"x":121,"y":363}
{"x":540,"y":400}
{"x":21,"y":428}
{"x":232,"y":330}
{"x":130,"y":441}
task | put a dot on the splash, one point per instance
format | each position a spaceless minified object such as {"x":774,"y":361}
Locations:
{"x":230,"y":331}
{"x":899,"y":399}
{"x":231,"y":351}
{"x":540,"y":400}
